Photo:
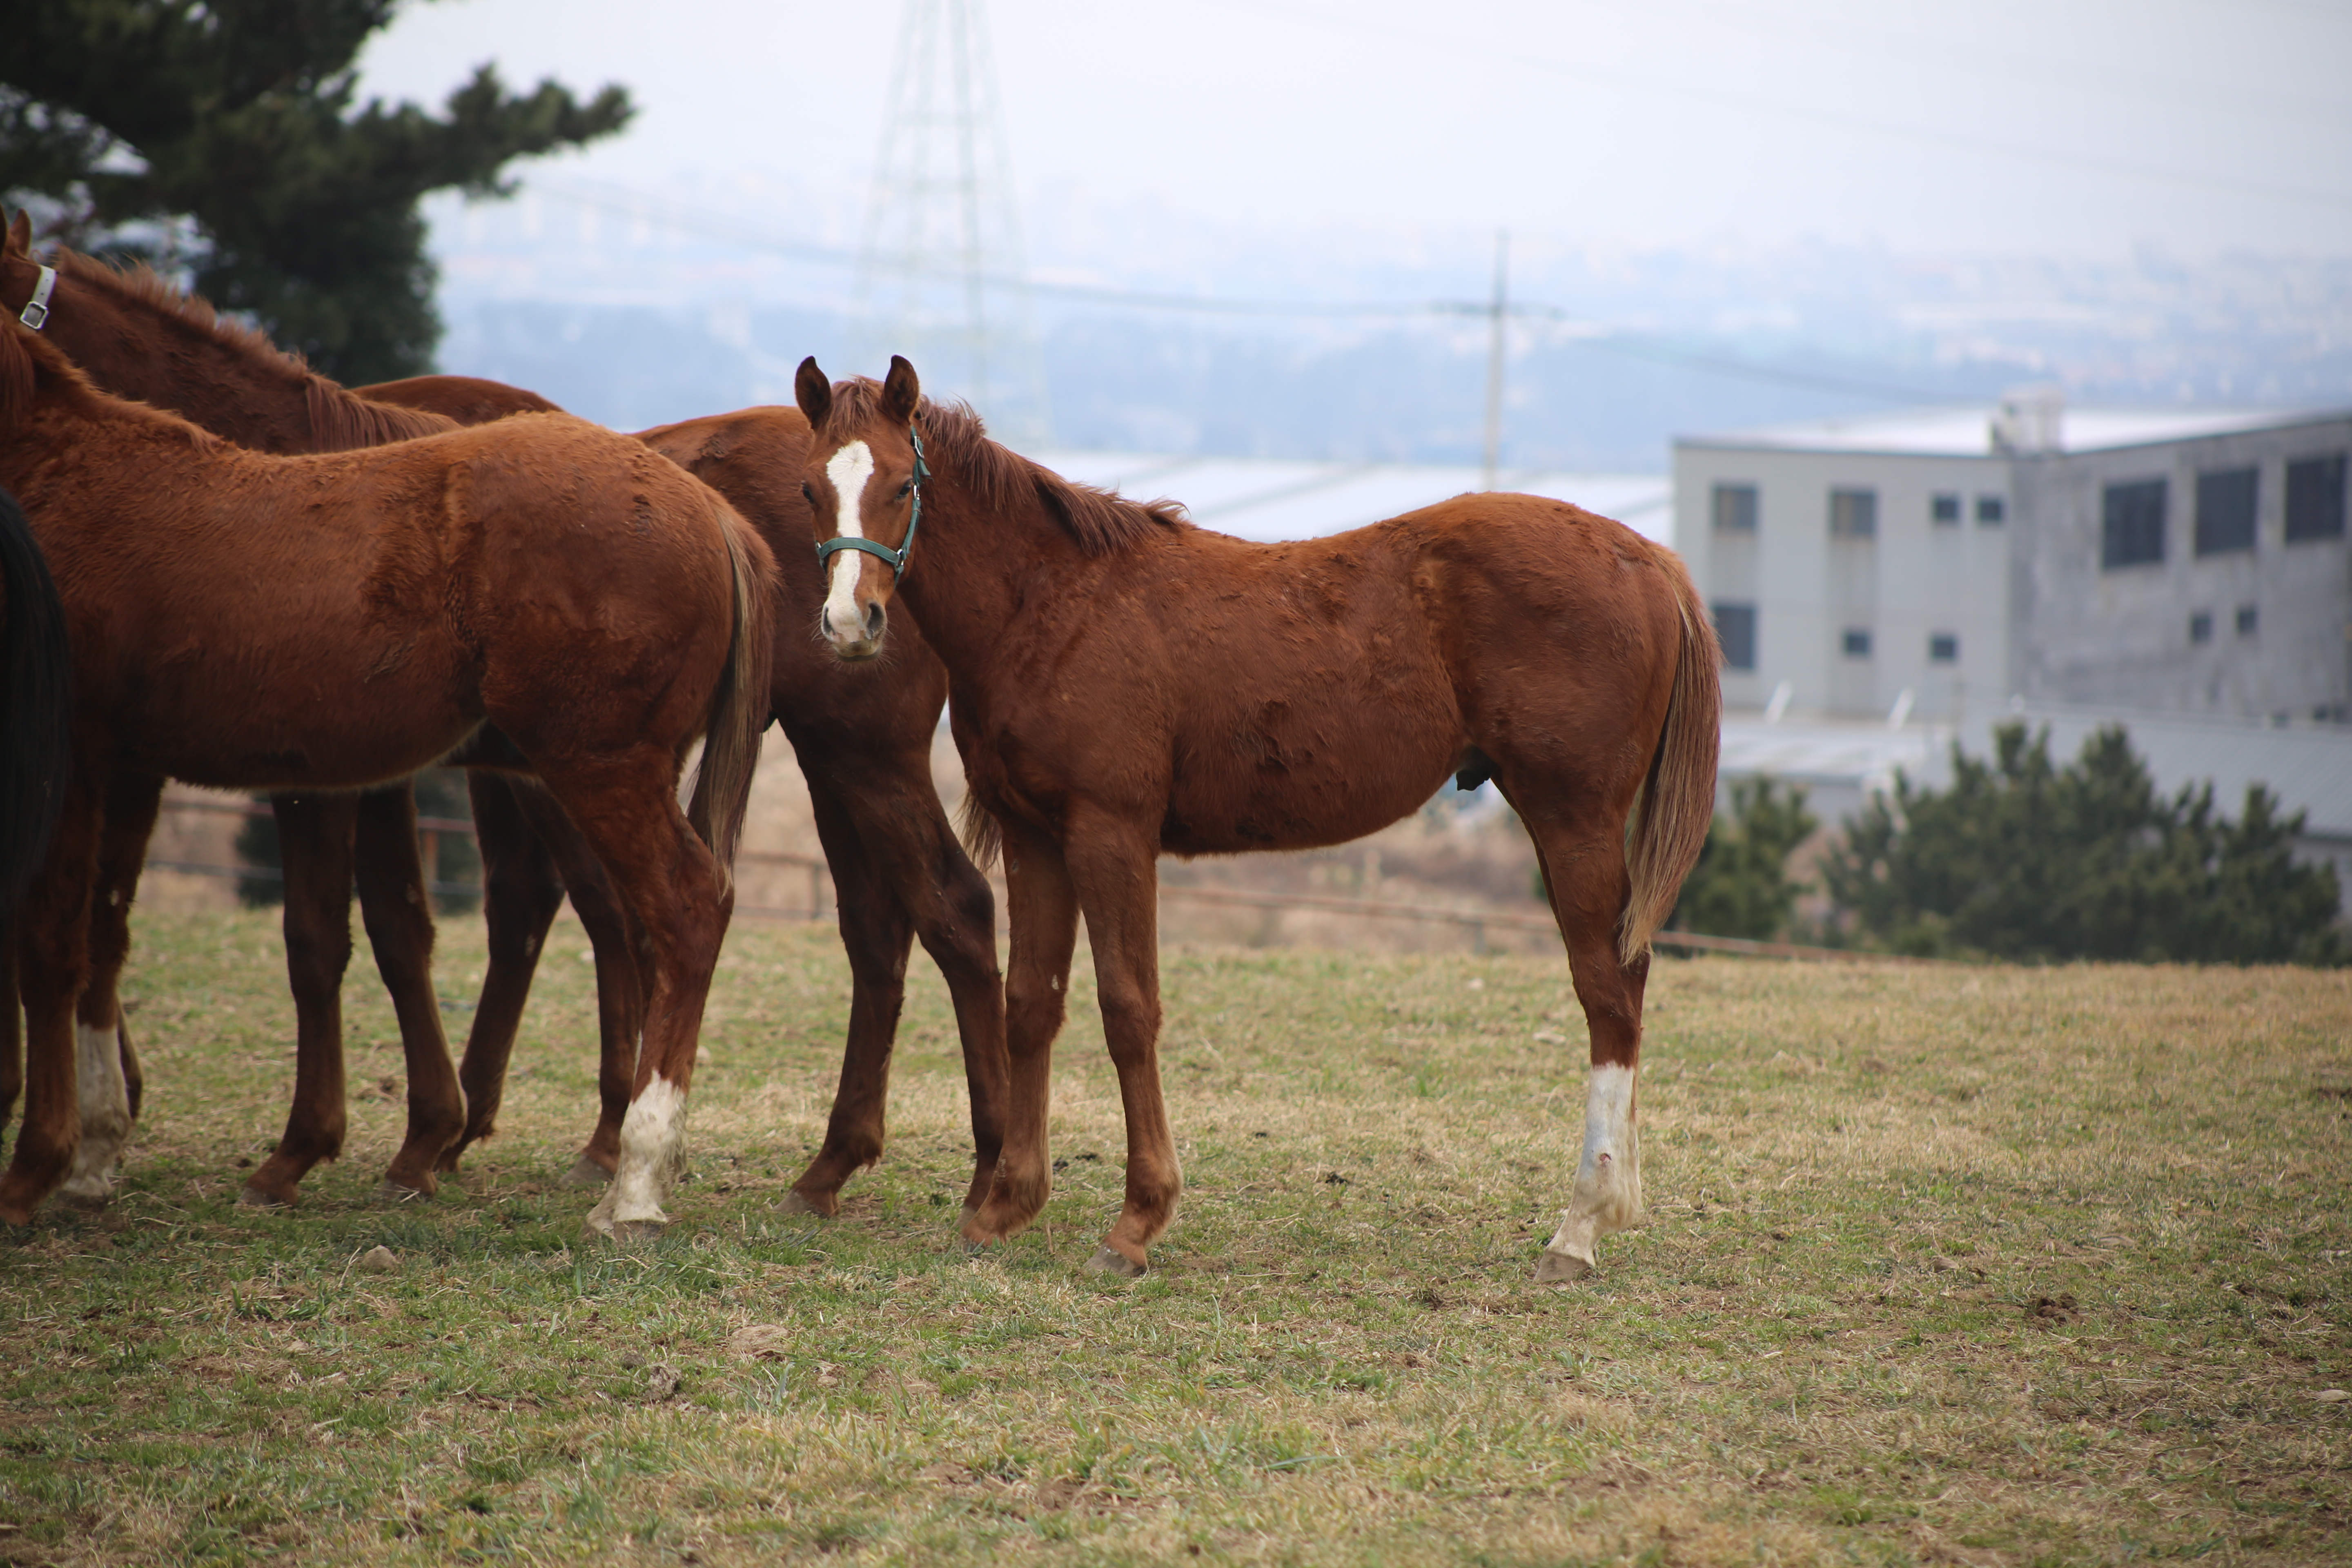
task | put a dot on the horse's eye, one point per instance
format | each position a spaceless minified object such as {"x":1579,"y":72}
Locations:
{"x":905,"y":489}
{"x":808,"y":493}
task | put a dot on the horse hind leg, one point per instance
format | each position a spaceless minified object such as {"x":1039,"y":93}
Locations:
{"x":315,"y":835}
{"x":398,"y":909}
{"x":1585,"y":874}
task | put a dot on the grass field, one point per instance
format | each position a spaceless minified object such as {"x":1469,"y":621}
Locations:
{"x":1946,"y":1265}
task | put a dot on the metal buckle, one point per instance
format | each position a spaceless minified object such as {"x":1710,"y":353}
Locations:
{"x":35,"y":314}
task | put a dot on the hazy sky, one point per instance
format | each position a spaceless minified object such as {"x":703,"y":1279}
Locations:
{"x":2048,"y":126}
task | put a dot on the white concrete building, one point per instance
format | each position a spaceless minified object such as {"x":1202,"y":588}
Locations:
{"x":1942,"y":563}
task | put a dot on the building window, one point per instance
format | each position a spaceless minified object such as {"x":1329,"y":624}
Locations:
{"x":1734,"y":629}
{"x":1854,"y":515}
{"x":2200,"y":628}
{"x":2246,"y":620}
{"x":1944,"y":647}
{"x":2315,"y":498}
{"x":1735,"y":509}
{"x":2132,"y":525}
{"x":2225,"y":511}
{"x":1944,"y":509}
{"x":1858,"y":642}
{"x":1992,"y":510}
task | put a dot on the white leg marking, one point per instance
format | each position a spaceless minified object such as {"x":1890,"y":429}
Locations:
{"x":105,"y":1114}
{"x":1607,"y":1193}
{"x":653,"y":1151}
{"x":848,"y":468}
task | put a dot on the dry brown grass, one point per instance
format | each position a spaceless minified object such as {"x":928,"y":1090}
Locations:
{"x":1947,"y":1265}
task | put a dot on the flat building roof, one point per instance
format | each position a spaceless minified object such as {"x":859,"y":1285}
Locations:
{"x":1966,"y":432}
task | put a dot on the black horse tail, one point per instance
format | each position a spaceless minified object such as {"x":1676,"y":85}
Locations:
{"x":35,"y":702}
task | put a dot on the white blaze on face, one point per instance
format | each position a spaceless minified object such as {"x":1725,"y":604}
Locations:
{"x":653,"y":1147}
{"x":848,"y":468}
{"x":105,"y":1113}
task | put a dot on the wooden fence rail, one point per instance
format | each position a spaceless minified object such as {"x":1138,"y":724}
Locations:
{"x":1477,"y":921}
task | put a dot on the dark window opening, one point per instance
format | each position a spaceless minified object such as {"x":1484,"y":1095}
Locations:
{"x":1854,"y":515}
{"x":1944,"y":647}
{"x":1858,"y":642}
{"x":2315,"y":498}
{"x":1944,"y":509}
{"x":2132,"y":524}
{"x":1992,"y":510}
{"x":1734,"y":629}
{"x":1735,"y":509}
{"x":2200,"y":628}
{"x":2246,"y":620}
{"x":2225,"y":511}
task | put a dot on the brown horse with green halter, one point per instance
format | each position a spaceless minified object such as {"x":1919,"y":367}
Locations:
{"x":327,"y":623}
{"x":1124,"y":685}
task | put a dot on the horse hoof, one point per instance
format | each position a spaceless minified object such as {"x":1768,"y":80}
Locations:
{"x":586,"y":1173}
{"x":635,"y":1232}
{"x":84,"y":1202}
{"x":252,"y":1197}
{"x":799,"y":1203}
{"x":1561,"y":1268}
{"x":1116,"y":1264}
{"x":394,"y":1193}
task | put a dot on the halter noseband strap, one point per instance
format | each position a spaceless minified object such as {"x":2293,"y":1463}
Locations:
{"x":897,"y":558}
{"x":35,"y":314}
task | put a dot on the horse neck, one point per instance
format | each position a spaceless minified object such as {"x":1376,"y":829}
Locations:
{"x":149,"y":355}
{"x":975,"y":567}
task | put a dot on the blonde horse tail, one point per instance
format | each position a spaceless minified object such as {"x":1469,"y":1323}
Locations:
{"x":1676,"y":804}
{"x":982,"y":835}
{"x":739,"y":712}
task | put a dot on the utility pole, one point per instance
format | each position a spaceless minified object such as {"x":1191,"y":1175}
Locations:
{"x":1496,"y":314}
{"x":942,"y":277}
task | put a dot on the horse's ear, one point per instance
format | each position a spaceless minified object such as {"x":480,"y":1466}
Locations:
{"x":20,"y":234}
{"x":814,"y":392}
{"x":900,"y":391}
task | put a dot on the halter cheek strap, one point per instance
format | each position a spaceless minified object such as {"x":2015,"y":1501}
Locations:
{"x":826,"y":549}
{"x":35,"y":312}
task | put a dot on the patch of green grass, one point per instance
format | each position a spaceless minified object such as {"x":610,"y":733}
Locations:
{"x":1946,"y":1265}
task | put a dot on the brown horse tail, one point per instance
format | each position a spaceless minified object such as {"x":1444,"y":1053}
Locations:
{"x":35,"y":707}
{"x":1678,"y":800}
{"x":982,"y":835}
{"x":740,"y":710}
{"x":342,"y":421}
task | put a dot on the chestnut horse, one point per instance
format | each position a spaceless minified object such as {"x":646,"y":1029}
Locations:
{"x":895,"y":865}
{"x":862,"y":739}
{"x":332,"y":622}
{"x":135,"y":336}
{"x":1123,"y":685}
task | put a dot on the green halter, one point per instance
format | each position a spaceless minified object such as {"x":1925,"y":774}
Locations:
{"x":897,"y":558}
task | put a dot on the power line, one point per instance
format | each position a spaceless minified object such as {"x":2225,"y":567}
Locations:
{"x":1583,"y":331}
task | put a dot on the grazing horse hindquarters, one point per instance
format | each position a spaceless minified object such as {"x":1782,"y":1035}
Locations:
{"x":862,"y":737}
{"x":1123,"y":684}
{"x":332,"y":622}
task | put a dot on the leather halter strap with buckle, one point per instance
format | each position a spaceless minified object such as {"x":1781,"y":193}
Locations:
{"x":35,"y":314}
{"x":897,"y":558}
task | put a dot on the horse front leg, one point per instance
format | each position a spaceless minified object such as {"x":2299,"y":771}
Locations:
{"x":1584,"y":872}
{"x":1045,"y":913}
{"x":397,"y":904}
{"x":1111,"y":865}
{"x":107,"y":1077}
{"x":520,"y":895}
{"x":52,"y":933}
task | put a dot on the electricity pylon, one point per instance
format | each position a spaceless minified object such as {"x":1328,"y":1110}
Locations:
{"x":943,"y":279}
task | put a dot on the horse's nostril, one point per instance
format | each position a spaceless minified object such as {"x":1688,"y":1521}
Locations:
{"x":873,"y":622}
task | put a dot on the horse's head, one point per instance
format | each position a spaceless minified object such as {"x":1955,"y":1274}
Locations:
{"x":865,"y":483}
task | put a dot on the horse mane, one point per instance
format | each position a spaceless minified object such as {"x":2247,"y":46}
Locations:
{"x":339,"y":419}
{"x":27,"y":358}
{"x":1102,"y":522}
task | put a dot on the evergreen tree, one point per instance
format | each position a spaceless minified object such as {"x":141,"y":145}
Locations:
{"x":1741,"y":886}
{"x":127,"y":122}
{"x":2023,"y":859}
